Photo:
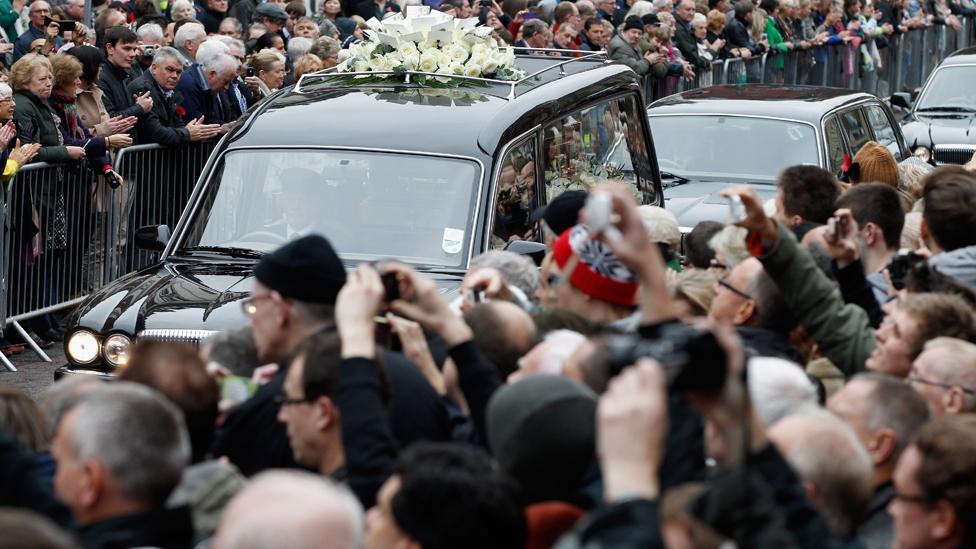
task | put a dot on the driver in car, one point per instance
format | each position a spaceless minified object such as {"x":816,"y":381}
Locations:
{"x":300,"y":197}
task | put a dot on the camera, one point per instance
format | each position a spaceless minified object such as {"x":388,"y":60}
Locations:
{"x":250,"y":71}
{"x":692,"y":358}
{"x":148,"y":50}
{"x":899,"y":266}
{"x":63,"y":26}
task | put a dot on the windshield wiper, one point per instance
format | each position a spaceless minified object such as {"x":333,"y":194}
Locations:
{"x":946,"y":109}
{"x":678,"y":179}
{"x":228,"y":251}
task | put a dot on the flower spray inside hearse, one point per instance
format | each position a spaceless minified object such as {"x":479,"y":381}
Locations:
{"x":429,"y":47}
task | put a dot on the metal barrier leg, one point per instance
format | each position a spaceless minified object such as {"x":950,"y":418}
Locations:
{"x":7,"y":364}
{"x":30,"y":342}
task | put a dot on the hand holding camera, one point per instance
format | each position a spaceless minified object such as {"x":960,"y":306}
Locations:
{"x":841,"y":238}
{"x":358,"y":303}
{"x":753,"y":218}
{"x":421,"y":301}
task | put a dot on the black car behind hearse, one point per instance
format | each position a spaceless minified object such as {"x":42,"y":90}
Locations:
{"x":940,"y":126}
{"x":432,"y":176}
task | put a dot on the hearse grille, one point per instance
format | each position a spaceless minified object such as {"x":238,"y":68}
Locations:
{"x":953,"y":154}
{"x":189,"y":337}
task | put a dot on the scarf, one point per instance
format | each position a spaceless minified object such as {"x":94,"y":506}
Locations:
{"x":66,"y":103}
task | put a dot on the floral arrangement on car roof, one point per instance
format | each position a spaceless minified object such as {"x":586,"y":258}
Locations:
{"x":430,"y":42}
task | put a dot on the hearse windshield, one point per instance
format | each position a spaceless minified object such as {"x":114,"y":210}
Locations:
{"x":714,"y":147}
{"x":369,"y":205}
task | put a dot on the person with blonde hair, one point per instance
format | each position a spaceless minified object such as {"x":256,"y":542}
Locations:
{"x":693,"y":292}
{"x":911,"y":173}
{"x":269,"y":67}
{"x":30,"y":78}
{"x":307,"y":64}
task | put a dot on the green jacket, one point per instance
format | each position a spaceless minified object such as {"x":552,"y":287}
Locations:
{"x":8,"y":17}
{"x":843,"y":331}
{"x":36,"y":124}
{"x":777,"y":47}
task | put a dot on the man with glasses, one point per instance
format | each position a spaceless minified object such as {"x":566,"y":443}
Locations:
{"x":748,"y":299}
{"x":935,"y":487}
{"x":945,"y":374}
{"x":38,"y":11}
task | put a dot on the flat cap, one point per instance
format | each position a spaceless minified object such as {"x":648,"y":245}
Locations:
{"x":306,"y":269}
{"x":274,"y":11}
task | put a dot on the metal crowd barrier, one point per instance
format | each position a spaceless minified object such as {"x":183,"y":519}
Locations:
{"x":881,"y":66}
{"x":66,"y":232}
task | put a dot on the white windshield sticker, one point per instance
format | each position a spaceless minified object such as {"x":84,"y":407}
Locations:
{"x":453,"y":241}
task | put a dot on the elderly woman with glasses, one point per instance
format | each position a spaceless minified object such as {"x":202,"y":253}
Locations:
{"x":13,"y":154}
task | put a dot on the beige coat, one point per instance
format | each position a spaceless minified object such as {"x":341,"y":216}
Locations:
{"x":92,"y":110}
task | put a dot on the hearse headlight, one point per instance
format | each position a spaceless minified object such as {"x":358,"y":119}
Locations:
{"x":116,"y":350}
{"x":923,"y":153}
{"x":83,"y":347}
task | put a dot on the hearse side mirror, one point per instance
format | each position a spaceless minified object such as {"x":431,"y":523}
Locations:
{"x":901,"y":99}
{"x":535,"y":250}
{"x":153,"y":237}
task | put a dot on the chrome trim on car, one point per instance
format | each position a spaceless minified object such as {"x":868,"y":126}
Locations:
{"x":191,"y":209}
{"x":187,"y":336}
{"x":952,"y":153}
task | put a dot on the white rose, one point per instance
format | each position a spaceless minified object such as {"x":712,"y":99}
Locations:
{"x":457,"y":68}
{"x":480,"y":49}
{"x":444,"y":60}
{"x":458,"y":54}
{"x":411,"y":63}
{"x":377,"y":63}
{"x":427,"y":46}
{"x":489,"y":66}
{"x":472,"y":69}
{"x":360,"y":65}
{"x":427,"y":63}
{"x":408,"y":49}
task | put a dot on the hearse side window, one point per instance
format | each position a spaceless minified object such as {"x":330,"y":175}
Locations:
{"x":835,"y":144}
{"x":856,"y":129}
{"x":515,"y":197}
{"x":605,"y":141}
{"x":883,"y":132}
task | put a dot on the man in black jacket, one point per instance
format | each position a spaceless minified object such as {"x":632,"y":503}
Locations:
{"x":294,"y":297}
{"x":120,"y":451}
{"x":121,"y":47}
{"x":737,"y":32}
{"x":164,"y":123}
{"x":684,"y":37}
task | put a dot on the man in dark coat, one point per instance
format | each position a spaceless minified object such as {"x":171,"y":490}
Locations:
{"x":737,"y":30}
{"x":121,"y":47}
{"x":38,"y":11}
{"x":202,"y":87}
{"x":294,"y":294}
{"x":120,"y":451}
{"x":164,"y":123}
{"x":684,"y":37}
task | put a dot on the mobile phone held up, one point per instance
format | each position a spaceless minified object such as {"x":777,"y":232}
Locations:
{"x":737,"y":212}
{"x":63,"y":26}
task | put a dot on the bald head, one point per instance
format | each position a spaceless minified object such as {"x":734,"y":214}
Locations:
{"x":503,"y":332}
{"x":833,"y":465}
{"x":291,"y":510}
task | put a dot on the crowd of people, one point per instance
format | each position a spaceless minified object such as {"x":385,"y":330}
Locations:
{"x":804,"y":376}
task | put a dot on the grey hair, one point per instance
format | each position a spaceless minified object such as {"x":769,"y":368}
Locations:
{"x":283,"y":508}
{"x":960,"y":371}
{"x":830,"y":456}
{"x":699,"y":19}
{"x":237,"y":23}
{"x":166,"y":54}
{"x":189,"y":32}
{"x":150,"y":31}
{"x":779,"y":388}
{"x":5,"y":90}
{"x":137,"y":435}
{"x":326,"y":46}
{"x":58,"y":399}
{"x":298,"y":46}
{"x":220,"y":63}
{"x":209,"y":50}
{"x":894,"y":404}
{"x":517,"y":270}
{"x":328,"y":28}
{"x":228,"y":41}
{"x":180,"y":3}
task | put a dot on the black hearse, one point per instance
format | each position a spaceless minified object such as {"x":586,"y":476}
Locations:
{"x":430,"y":176}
